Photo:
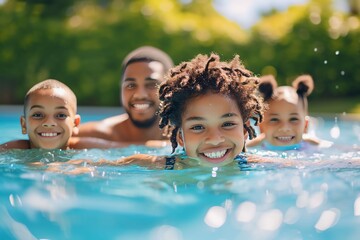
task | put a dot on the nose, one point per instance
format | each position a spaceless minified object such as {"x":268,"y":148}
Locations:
{"x":214,"y":137}
{"x":141,"y":92}
{"x":284,"y":127}
{"x":49,"y":122}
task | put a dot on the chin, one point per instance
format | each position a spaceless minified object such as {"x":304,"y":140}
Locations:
{"x":218,"y":164}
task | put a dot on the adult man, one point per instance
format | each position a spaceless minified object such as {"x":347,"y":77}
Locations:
{"x":142,"y":70}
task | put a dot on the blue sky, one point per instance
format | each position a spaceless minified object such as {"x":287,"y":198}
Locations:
{"x":247,"y":12}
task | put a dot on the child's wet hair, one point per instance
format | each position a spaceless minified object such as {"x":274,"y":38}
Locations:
{"x":205,"y":74}
{"x":51,"y":84}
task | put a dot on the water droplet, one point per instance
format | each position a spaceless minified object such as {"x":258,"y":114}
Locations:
{"x":337,"y":87}
{"x":335,"y":130}
{"x":325,"y":62}
{"x":315,"y":49}
{"x":337,"y":52}
{"x":342,"y":73}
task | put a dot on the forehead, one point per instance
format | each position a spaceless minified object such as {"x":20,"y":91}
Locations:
{"x":286,"y":93}
{"x":144,"y":68}
{"x":51,"y":97}
{"x":283,"y":106}
{"x":211,"y":104}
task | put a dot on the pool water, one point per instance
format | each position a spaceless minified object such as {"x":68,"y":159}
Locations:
{"x":132,"y":202}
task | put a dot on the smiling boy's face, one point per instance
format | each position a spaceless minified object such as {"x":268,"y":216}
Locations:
{"x":212,"y":130}
{"x":50,"y":119}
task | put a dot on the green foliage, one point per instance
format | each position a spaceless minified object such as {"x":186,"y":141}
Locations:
{"x":82,"y":43}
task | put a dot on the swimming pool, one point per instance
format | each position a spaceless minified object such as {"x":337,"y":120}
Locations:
{"x":131,"y":202}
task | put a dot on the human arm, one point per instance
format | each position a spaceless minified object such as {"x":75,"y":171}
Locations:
{"x":256,"y":141}
{"x":321,"y":143}
{"x":93,"y":142}
{"x":15,"y":144}
{"x":80,"y":166}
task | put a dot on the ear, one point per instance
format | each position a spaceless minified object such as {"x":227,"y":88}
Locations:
{"x":180,"y":138}
{"x":23,"y":124}
{"x":76,"y":124}
{"x":307,"y":120}
{"x":261,"y":127}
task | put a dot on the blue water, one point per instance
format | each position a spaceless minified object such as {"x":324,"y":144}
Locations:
{"x":132,"y":202}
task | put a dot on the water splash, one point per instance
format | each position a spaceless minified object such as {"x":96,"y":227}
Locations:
{"x":335,"y":130}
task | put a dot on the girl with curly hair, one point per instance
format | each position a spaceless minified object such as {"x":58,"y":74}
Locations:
{"x":206,"y":107}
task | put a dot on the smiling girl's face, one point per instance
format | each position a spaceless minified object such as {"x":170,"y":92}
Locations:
{"x":284,"y":123}
{"x":212,"y":129}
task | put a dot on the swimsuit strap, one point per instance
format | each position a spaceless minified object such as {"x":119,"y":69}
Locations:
{"x":170,"y":162}
{"x":241,"y":160}
{"x":271,"y":147}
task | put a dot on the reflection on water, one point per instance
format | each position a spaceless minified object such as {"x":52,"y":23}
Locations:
{"x":131,"y":202}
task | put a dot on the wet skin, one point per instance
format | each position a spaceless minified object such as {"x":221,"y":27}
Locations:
{"x":284,"y":123}
{"x":50,"y":119}
{"x":212,"y":130}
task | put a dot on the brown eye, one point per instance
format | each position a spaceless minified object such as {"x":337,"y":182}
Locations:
{"x":152,"y":85}
{"x":37,"y":115}
{"x":274,"y":120}
{"x":197,"y":128}
{"x":61,"y":116}
{"x":229,"y":124}
{"x":294,"y":119}
{"x":130,"y":86}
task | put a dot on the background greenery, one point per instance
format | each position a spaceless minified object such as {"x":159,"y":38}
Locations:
{"x":82,"y":43}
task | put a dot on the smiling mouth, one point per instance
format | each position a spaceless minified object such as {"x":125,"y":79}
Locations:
{"x":141,"y":106}
{"x":215,"y":156}
{"x":285,"y":138}
{"x":49,"y":134}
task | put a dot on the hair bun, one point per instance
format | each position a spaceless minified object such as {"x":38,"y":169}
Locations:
{"x":304,"y":85}
{"x":267,"y":86}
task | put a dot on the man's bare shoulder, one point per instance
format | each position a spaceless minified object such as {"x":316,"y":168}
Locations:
{"x":115,"y":120}
{"x":16,"y":144}
{"x":103,"y":128}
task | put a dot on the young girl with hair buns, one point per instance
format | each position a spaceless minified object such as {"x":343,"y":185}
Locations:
{"x":286,"y":120}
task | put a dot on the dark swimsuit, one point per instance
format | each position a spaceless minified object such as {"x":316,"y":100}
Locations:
{"x":170,"y":161}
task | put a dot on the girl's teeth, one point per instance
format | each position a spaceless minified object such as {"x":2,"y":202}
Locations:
{"x":142,"y":106}
{"x":49,"y":134}
{"x":218,"y":154}
{"x":284,"y":138}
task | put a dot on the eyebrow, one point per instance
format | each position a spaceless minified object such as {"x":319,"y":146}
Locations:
{"x":42,"y":107}
{"x":226,"y":115}
{"x":131,"y":79}
{"x":277,"y":114}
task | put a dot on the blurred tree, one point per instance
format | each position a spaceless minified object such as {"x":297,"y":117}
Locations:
{"x":82,"y":43}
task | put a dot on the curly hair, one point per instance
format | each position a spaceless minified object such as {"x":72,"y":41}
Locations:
{"x":205,"y":74}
